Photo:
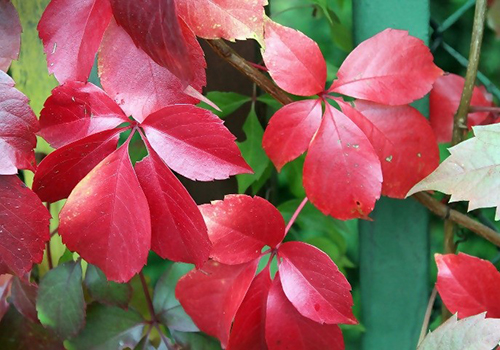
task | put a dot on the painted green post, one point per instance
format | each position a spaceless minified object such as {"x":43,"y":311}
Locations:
{"x":394,"y":248}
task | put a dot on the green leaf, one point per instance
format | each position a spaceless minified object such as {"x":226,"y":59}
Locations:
{"x":67,"y":256}
{"x":104,"y":291}
{"x":19,"y":333}
{"x":269,"y":101}
{"x":470,"y":333}
{"x":291,"y":176}
{"x":228,"y":102}
{"x":109,"y":327}
{"x":167,"y":308}
{"x":60,"y":303}
{"x":252,"y":151}
{"x":196,"y":341}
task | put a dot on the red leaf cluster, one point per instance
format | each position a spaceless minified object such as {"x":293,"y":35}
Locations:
{"x":299,"y":309}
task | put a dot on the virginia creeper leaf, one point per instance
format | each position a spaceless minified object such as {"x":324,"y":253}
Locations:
{"x":104,"y":291}
{"x":403,"y":140}
{"x":228,"y":102}
{"x":227,"y":19}
{"x":468,"y":285}
{"x":212,"y":295}
{"x":167,"y":308}
{"x":16,"y":333}
{"x":76,"y":110}
{"x":195,"y":341}
{"x":138,"y":84}
{"x":391,"y":68}
{"x":5,"y":287}
{"x":24,"y":227}
{"x":342,"y":174}
{"x":248,"y":332}
{"x":154,"y":27}
{"x":23,"y":296}
{"x":286,"y":328}
{"x":178,"y":230}
{"x":106,"y":218}
{"x":240,"y":226}
{"x":444,"y":100}
{"x":63,"y":169}
{"x":71,"y":32}
{"x":18,"y":125}
{"x":60,"y":303}
{"x":109,"y":327}
{"x":5,"y":79}
{"x":10,"y":34}
{"x":307,"y":271}
{"x":288,"y":50}
{"x":474,"y":332}
{"x":471,"y":172}
{"x":194,"y":143}
{"x":290,"y":131}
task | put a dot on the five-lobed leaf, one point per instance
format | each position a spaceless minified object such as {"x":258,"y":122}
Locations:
{"x":471,"y":172}
{"x":468,"y":285}
{"x":472,"y":333}
{"x":10,"y":34}
{"x":240,"y":226}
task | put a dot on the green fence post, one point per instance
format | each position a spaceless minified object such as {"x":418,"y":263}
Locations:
{"x":394,"y":248}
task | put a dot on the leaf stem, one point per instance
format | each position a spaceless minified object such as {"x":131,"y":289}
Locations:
{"x":474,"y":109}
{"x":49,"y":253}
{"x":294,"y":216}
{"x":428,"y":313}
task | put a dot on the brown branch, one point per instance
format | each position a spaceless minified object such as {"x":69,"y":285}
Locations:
{"x":438,"y":208}
{"x":474,"y":109}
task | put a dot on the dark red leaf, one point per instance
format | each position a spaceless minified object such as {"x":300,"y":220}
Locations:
{"x":295,"y":61}
{"x":106,"y":218}
{"x":71,"y":32}
{"x":76,"y":110}
{"x":63,"y":169}
{"x":342,"y":174}
{"x":24,"y":227}
{"x":212,"y":295}
{"x":228,"y":19}
{"x":444,"y":100}
{"x":5,"y":284}
{"x":403,"y":141}
{"x":136,"y":82}
{"x":154,"y":27}
{"x":287,"y":329}
{"x":240,"y":226}
{"x":314,"y":284}
{"x":23,"y":296}
{"x":248,"y":332}
{"x":10,"y":34}
{"x":178,"y":230}
{"x":290,"y":131}
{"x":468,"y":285}
{"x":194,"y":143}
{"x":18,"y":125}
{"x":391,"y":68}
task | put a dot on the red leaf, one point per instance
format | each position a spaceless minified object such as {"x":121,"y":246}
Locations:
{"x":71,"y":32}
{"x":228,"y":19}
{"x":403,"y":141}
{"x":154,"y":27}
{"x":23,"y":296}
{"x":178,"y":230}
{"x":63,"y":169}
{"x":24,"y":227}
{"x":390,"y":68}
{"x":444,"y":100}
{"x":76,"y":110}
{"x":290,"y":131}
{"x":468,"y":285}
{"x":287,"y":329}
{"x":342,"y":175}
{"x":248,"y":332}
{"x":5,"y":284}
{"x":18,"y":125}
{"x":136,"y":82}
{"x":314,"y":285}
{"x":240,"y":226}
{"x":5,"y":79}
{"x":194,"y":143}
{"x":212,"y":295}
{"x":106,"y":218}
{"x":10,"y":34}
{"x":295,"y":61}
